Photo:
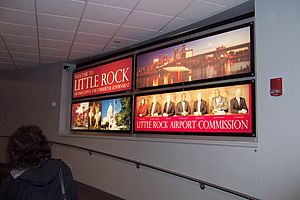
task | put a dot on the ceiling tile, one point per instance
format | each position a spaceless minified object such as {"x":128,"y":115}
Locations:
{"x":78,"y":55}
{"x":199,"y":10}
{"x":92,"y":39}
{"x":177,"y":23}
{"x":55,"y":34}
{"x":58,"y":44}
{"x":17,"y":17}
{"x":29,"y":56}
{"x":53,"y":59}
{"x":46,"y":62}
{"x":24,"y":66}
{"x":1,"y":41}
{"x":87,"y":47}
{"x":20,"y":61}
{"x":135,"y":33}
{"x":160,"y":33}
{"x":165,"y":7}
{"x":16,"y":39}
{"x":227,"y":3}
{"x":104,"y":13}
{"x":61,"y":7}
{"x":7,"y":66}
{"x":3,"y":53}
{"x":99,"y":28}
{"x":16,"y":29}
{"x":54,"y":52}
{"x":2,"y":46}
{"x":5,"y":60}
{"x":27,"y":5}
{"x":118,"y":3}
{"x":147,"y":20}
{"x":109,"y":49}
{"x":22,"y":48}
{"x":117,"y":42}
{"x":57,"y":22}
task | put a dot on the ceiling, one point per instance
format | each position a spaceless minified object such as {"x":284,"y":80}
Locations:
{"x":37,"y":33}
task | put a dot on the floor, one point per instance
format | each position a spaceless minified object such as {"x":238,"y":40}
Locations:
{"x":85,"y":192}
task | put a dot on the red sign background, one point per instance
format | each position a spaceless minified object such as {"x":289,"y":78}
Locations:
{"x":207,"y":123}
{"x":112,"y":77}
{"x":229,"y":123}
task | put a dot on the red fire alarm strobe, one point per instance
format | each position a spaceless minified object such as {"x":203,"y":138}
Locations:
{"x":276,"y":87}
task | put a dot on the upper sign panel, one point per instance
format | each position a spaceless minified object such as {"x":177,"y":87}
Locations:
{"x":108,"y":78}
{"x":222,"y":55}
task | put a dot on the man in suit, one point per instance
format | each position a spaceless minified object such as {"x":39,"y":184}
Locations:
{"x":238,"y":104}
{"x":218,"y":103}
{"x":169,"y":107}
{"x":142,"y":109}
{"x":183,"y":107}
{"x":200,"y":106}
{"x":155,"y":108}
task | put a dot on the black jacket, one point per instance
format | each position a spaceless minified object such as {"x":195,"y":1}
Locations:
{"x":40,"y":183}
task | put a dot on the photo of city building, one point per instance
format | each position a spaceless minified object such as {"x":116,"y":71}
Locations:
{"x":211,"y":57}
{"x":80,"y":116}
{"x":116,"y":114}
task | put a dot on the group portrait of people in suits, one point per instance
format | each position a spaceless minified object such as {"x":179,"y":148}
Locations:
{"x":217,"y":103}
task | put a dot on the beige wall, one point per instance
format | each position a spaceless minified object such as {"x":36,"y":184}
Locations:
{"x":277,"y":55}
{"x":229,"y":162}
{"x":26,"y":97}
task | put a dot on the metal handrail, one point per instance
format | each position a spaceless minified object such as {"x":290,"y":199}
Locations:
{"x":201,"y":183}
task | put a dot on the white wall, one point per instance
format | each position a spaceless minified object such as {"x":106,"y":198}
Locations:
{"x":277,"y":55}
{"x":231,"y":165}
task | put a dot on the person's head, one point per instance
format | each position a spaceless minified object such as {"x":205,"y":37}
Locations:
{"x":217,"y":93}
{"x":168,"y":98}
{"x":154,"y":98}
{"x":143,"y":101}
{"x":183,"y":97}
{"x":28,"y":147}
{"x":199,"y":96}
{"x":238,"y":93}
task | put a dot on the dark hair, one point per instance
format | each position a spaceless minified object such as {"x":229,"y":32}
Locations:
{"x":28,"y":147}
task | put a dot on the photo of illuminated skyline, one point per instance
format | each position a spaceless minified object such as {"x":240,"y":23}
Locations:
{"x":219,"y":55}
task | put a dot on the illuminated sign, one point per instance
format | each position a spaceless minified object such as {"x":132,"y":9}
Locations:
{"x":109,"y":78}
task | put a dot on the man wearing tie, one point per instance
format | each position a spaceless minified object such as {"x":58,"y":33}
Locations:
{"x":155,"y":108}
{"x":238,"y":104}
{"x":183,"y":107}
{"x":218,"y":103}
{"x":169,"y":107}
{"x":200,"y":107}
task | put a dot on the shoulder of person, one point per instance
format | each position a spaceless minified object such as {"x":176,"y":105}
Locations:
{"x":56,"y":162}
